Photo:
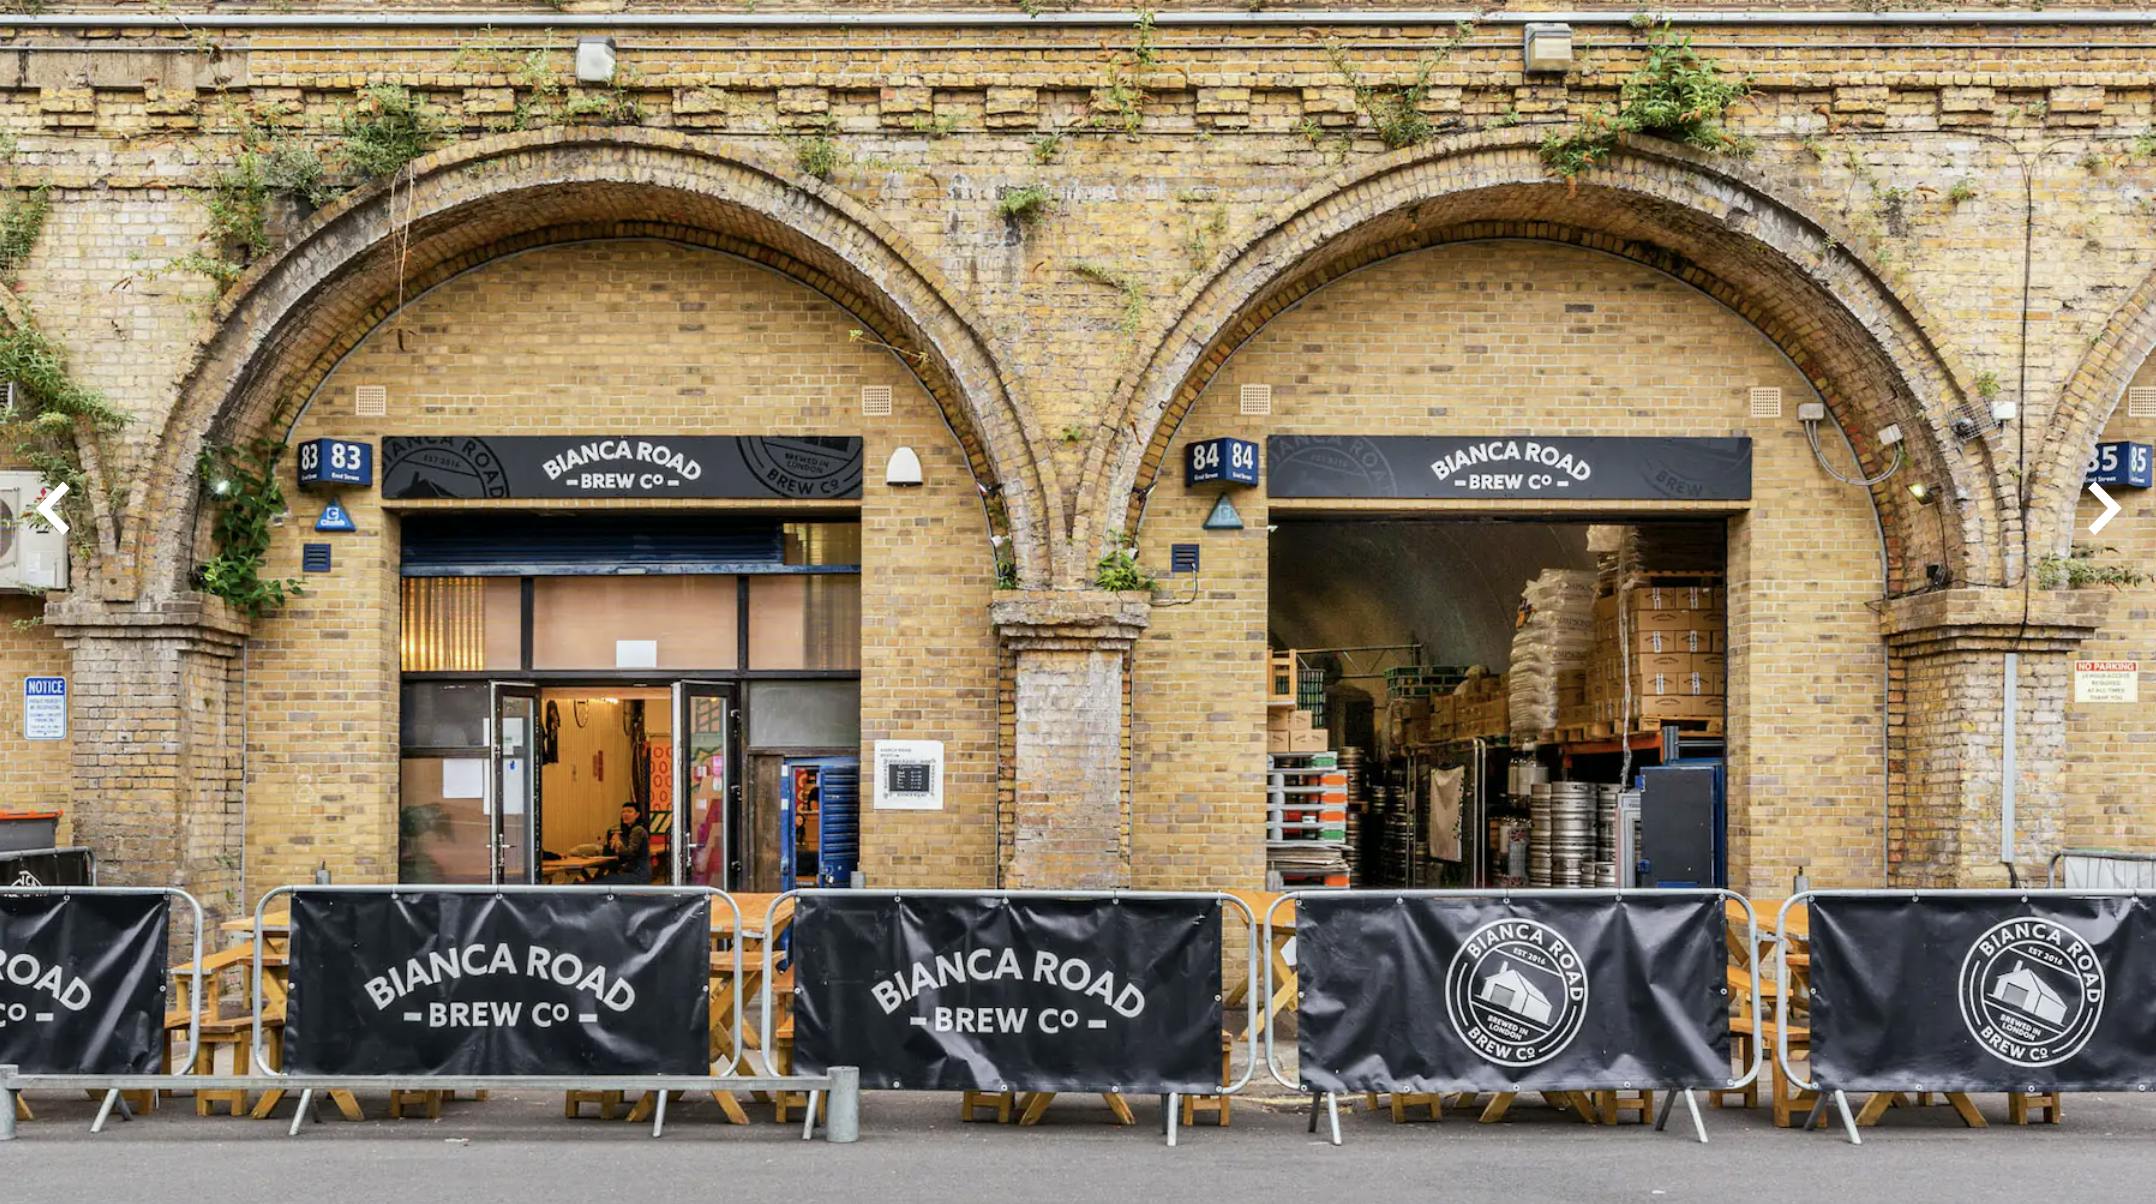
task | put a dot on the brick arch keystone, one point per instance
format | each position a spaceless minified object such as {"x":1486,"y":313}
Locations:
{"x":284,"y":324}
{"x":1705,"y":220}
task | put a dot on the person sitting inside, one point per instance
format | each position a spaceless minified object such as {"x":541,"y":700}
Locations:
{"x":630,"y":847}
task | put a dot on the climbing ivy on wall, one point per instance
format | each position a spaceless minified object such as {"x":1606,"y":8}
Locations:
{"x":240,"y":486}
{"x":1677,"y":93}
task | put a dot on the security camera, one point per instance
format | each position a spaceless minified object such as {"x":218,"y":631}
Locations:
{"x":1965,"y":427}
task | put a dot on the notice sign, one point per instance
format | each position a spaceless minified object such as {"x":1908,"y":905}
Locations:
{"x":82,"y":983}
{"x":1509,"y":466}
{"x":909,"y":775}
{"x":44,"y":708}
{"x":806,"y":467}
{"x":983,"y":992}
{"x":2107,"y":681}
{"x":569,"y":981}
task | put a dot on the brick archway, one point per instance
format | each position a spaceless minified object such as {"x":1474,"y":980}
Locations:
{"x":1700,"y":219}
{"x":2083,"y":409}
{"x":286,"y":323}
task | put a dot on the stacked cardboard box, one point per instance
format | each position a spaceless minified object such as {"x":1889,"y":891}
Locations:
{"x":1288,"y":730}
{"x":1663,"y":645}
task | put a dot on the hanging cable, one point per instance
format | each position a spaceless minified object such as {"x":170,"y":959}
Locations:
{"x":1811,"y":436}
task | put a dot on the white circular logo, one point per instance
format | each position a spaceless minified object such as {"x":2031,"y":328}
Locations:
{"x":1516,"y":992}
{"x":2031,"y":991}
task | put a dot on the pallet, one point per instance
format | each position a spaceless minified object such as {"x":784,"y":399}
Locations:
{"x":1584,"y":732}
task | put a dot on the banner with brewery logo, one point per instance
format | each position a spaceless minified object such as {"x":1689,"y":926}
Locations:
{"x":802,"y":467}
{"x":1593,"y":468}
{"x":1983,"y":992}
{"x":571,"y":981}
{"x":948,"y":993}
{"x":82,"y":982}
{"x":1423,"y":993}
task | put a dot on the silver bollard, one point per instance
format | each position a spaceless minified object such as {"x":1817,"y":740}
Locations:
{"x":843,"y":1123}
{"x":7,"y":1105}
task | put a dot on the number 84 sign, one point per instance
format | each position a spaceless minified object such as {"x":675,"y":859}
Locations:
{"x":1234,"y":461}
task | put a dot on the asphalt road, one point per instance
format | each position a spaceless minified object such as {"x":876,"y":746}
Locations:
{"x":518,"y":1148}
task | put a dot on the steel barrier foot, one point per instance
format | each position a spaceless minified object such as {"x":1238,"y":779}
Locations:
{"x":1169,"y":1116}
{"x":1313,"y":1112}
{"x":1818,"y":1113}
{"x":7,"y":1106}
{"x":1698,"y":1125}
{"x":1849,"y":1122}
{"x":299,"y":1114}
{"x":844,"y":1123}
{"x":808,"y":1123}
{"x":1661,"y":1118}
{"x":1332,"y":1112}
{"x":658,"y":1115}
{"x":104,"y":1111}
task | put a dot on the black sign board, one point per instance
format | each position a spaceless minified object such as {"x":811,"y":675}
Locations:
{"x":1508,"y":466}
{"x":569,"y":981}
{"x":944,"y":993}
{"x":1979,"y":992}
{"x":809,"y":468}
{"x":82,"y":982}
{"x":1408,"y":993}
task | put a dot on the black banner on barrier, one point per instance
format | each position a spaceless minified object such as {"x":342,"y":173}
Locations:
{"x":1429,"y":994}
{"x":562,"y":982}
{"x":940,"y":993}
{"x":1983,"y":993}
{"x":82,"y":983}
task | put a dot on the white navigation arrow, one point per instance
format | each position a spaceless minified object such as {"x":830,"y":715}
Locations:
{"x":52,"y":498}
{"x":2111,"y":510}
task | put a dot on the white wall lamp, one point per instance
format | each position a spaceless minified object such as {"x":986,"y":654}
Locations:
{"x":903,"y":469}
{"x":595,"y":60}
{"x":1546,"y":47}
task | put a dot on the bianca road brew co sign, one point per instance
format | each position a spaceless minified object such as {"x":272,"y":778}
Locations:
{"x":796,"y":467}
{"x":984,"y":992}
{"x":1508,"y":466}
{"x":82,"y":982}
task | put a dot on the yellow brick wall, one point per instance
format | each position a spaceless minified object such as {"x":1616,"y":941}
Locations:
{"x":33,"y":773}
{"x":2111,"y":747}
{"x":1509,"y":337}
{"x":618,"y":336}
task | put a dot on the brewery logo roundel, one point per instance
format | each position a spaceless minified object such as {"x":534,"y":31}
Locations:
{"x":2031,"y":991}
{"x":1516,"y":992}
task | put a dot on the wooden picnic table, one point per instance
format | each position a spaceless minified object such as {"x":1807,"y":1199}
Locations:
{"x":1283,"y":935}
{"x":572,"y":869}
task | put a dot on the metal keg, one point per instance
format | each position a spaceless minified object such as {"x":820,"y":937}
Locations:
{"x":1572,"y":831}
{"x":1539,"y":835}
{"x":1606,"y":822}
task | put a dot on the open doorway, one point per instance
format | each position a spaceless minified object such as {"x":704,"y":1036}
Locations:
{"x":604,"y":806}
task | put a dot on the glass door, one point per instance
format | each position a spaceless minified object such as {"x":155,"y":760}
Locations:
{"x":515,"y":789}
{"x":706,"y":784}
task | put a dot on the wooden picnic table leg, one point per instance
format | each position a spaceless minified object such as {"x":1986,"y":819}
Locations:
{"x":1500,"y":1103}
{"x":1120,"y":1107}
{"x":1033,"y":1106}
{"x":1966,"y":1109}
{"x":1873,"y":1109}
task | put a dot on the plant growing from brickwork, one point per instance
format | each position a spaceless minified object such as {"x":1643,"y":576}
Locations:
{"x":1119,"y":103}
{"x":1676,"y":93}
{"x":22,"y":219}
{"x":1395,"y":110}
{"x":240,"y":486}
{"x":1118,"y":569}
{"x":935,"y":127}
{"x":2083,"y":567}
{"x":1207,"y":230}
{"x":1964,"y":189}
{"x":1143,"y":47}
{"x":1987,"y":384}
{"x":386,"y":128}
{"x":54,"y":423}
{"x":816,"y":152}
{"x":1131,"y":319}
{"x":1047,"y":148}
{"x":1024,"y":204}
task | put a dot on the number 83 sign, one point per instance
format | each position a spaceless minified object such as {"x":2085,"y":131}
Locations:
{"x":335,"y":462}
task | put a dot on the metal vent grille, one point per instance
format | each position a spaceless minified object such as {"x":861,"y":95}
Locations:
{"x":1767,"y":402}
{"x":1973,"y":421}
{"x":1257,"y":400}
{"x":2141,"y":403}
{"x":875,"y":401}
{"x":370,"y":401}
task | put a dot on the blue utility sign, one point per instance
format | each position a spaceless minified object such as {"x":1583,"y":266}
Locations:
{"x":335,"y":462}
{"x":2124,"y":464}
{"x":334,"y":518}
{"x":1234,"y":461}
{"x":44,"y":708}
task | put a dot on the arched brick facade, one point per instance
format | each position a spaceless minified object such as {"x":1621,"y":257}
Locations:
{"x":2084,"y":407}
{"x":1868,"y":351}
{"x":285,"y":324}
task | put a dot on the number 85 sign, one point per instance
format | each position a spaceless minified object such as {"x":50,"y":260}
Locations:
{"x":2119,"y":464}
{"x":335,"y":462}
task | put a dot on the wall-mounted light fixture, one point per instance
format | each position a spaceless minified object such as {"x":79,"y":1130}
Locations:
{"x":1924,"y":494}
{"x":1547,"y":47}
{"x":595,"y":60}
{"x":903,"y":469}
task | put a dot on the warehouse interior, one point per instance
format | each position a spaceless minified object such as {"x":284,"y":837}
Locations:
{"x":1504,"y":702}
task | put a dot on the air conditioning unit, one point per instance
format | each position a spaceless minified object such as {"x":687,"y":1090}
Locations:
{"x":33,"y":557}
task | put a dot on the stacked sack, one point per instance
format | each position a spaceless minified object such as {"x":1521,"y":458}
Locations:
{"x":1550,"y":648}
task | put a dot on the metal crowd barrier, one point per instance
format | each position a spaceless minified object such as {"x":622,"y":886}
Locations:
{"x":1781,"y":955}
{"x":1332,"y":1102}
{"x":1171,"y":1104}
{"x":843,"y":1082}
{"x":13,"y":1081}
{"x":2100,"y":869}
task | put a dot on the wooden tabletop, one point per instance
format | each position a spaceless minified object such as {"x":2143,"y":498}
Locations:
{"x":754,"y":907}
{"x":1258,"y":901}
